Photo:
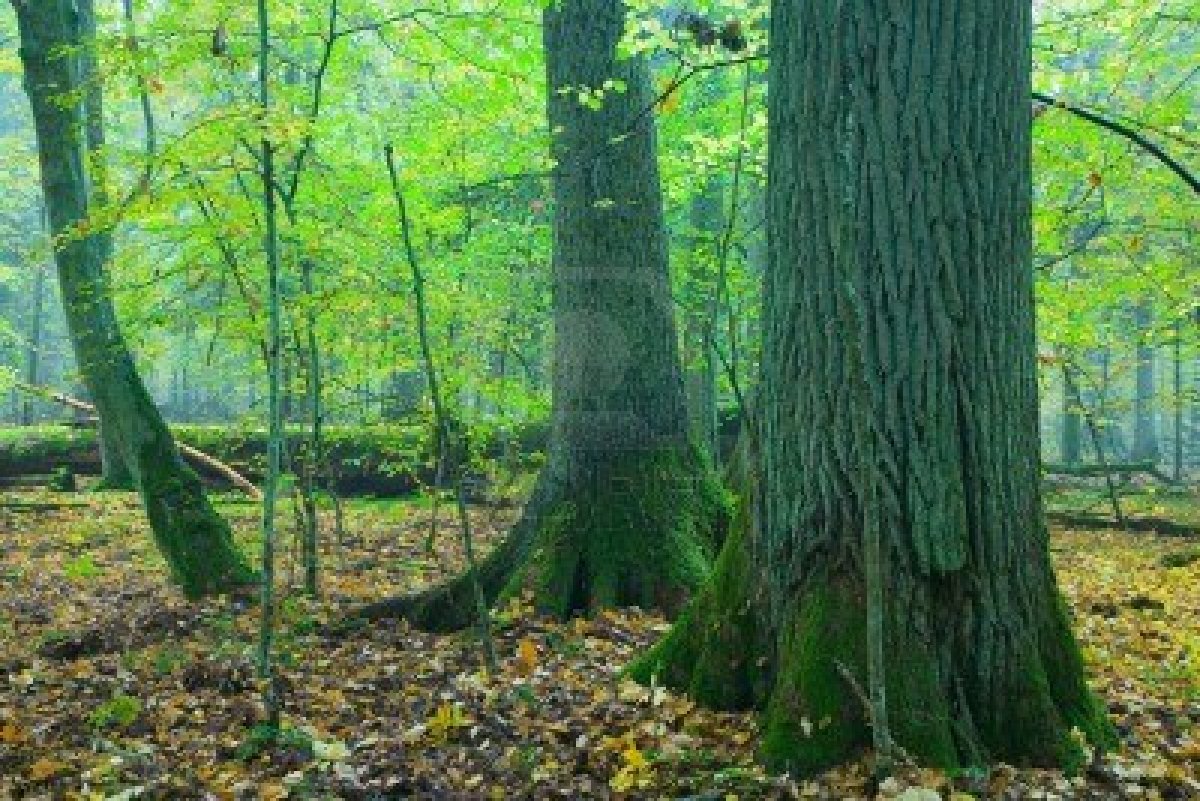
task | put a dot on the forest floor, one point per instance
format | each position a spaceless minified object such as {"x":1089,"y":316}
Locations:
{"x":111,"y":686}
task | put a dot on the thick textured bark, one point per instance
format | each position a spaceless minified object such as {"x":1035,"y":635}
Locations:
{"x":196,"y":542}
{"x":899,"y":394}
{"x":627,"y":509}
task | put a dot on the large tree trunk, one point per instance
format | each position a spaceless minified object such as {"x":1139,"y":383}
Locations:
{"x":899,"y":397}
{"x":626,"y":510}
{"x":114,"y":469}
{"x":196,"y":542}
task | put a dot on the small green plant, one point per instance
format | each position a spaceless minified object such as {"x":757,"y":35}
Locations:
{"x":81,"y":568}
{"x":263,"y":738}
{"x":119,"y":712}
{"x":169,"y":658}
{"x":525,"y":694}
{"x":53,"y":639}
{"x":63,"y":480}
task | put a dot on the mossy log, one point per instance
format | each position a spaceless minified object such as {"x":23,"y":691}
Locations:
{"x":375,"y":460}
{"x":1099,"y":470}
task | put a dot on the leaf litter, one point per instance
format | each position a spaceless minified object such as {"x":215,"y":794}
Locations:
{"x":113,"y":687}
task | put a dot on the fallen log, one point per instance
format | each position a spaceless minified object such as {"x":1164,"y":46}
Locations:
{"x":1122,"y":469}
{"x":1150,"y":525}
{"x":39,"y":506}
{"x":1100,"y":470}
{"x":197,"y":458}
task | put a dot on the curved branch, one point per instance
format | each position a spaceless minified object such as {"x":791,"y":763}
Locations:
{"x":1125,"y":131}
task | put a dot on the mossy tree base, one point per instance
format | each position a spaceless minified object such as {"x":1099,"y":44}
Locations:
{"x":640,"y":532}
{"x":196,"y":542}
{"x":956,"y":702}
{"x":716,"y":651}
{"x":969,"y":696}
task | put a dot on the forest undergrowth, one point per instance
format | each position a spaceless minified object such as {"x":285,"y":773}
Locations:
{"x":113,"y":687}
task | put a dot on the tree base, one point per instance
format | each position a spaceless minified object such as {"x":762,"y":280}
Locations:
{"x":715,"y":651}
{"x":955,"y":700}
{"x":196,"y":541}
{"x":1025,"y":702}
{"x":640,"y":534}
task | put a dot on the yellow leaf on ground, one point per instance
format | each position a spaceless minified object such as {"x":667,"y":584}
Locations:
{"x":273,"y":792}
{"x":44,"y":768}
{"x":447,"y":718}
{"x":527,"y":656}
{"x":11,"y":734}
{"x":634,"y":758}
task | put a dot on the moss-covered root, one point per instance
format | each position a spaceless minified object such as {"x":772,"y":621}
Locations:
{"x":451,"y":606}
{"x":1019,"y":702}
{"x":196,"y":542}
{"x":640,"y":531}
{"x":642,"y":536}
{"x":716,"y":652}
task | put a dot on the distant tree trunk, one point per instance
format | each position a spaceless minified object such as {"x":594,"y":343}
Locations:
{"x":1145,"y":412}
{"x":33,"y":354}
{"x":702,"y":380}
{"x":899,"y":396}
{"x":626,"y":510}
{"x":1177,"y":395}
{"x":1194,"y":415}
{"x":196,"y":542}
{"x":1106,"y":417}
{"x":1072,"y":429}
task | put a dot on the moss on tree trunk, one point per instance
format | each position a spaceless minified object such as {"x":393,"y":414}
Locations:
{"x":196,"y":542}
{"x":898,"y":396}
{"x":627,"y":508}
{"x":957,"y":701}
{"x":969,"y":695}
{"x":640,"y":529}
{"x":115,"y":474}
{"x":716,"y":650}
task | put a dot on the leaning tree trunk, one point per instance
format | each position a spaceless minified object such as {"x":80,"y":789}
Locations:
{"x":115,"y":471}
{"x":196,"y":542}
{"x":899,"y":397}
{"x":626,"y":510}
